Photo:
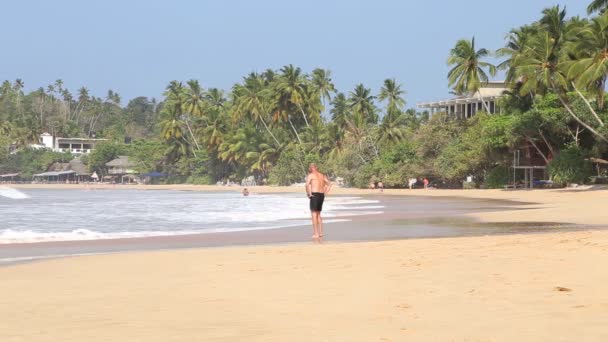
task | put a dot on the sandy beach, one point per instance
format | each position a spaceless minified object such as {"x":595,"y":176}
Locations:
{"x":539,"y":287}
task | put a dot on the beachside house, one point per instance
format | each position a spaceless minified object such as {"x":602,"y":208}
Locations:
{"x":466,"y":106}
{"x":73,"y":172}
{"x":72,"y":145}
{"x":122,"y":168}
{"x":10,"y":178}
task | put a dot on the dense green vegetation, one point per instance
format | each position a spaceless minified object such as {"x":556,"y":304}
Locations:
{"x":271,"y":124}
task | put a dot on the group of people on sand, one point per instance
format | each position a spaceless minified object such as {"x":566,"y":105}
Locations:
{"x":412,"y":181}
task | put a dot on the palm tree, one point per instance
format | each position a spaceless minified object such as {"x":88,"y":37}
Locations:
{"x":539,"y":69}
{"x":215,"y":98}
{"x":597,"y":6}
{"x":172,"y":131}
{"x":322,"y":83}
{"x":590,"y":68}
{"x":335,"y":140}
{"x":189,"y":99}
{"x":391,"y":92}
{"x":193,"y":98}
{"x":18,"y":91}
{"x":392,"y":126}
{"x":469,"y":70}
{"x":361,"y":102}
{"x":291,"y":89}
{"x":252,"y":99}
{"x":262,"y":157}
{"x":215,"y":128}
{"x":340,"y":110}
{"x":517,"y":43}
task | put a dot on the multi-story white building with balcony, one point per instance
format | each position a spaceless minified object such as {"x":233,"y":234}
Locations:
{"x":72,"y":145}
{"x":467,"y":106}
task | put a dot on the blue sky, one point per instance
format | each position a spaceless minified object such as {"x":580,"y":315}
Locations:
{"x":137,"y":47}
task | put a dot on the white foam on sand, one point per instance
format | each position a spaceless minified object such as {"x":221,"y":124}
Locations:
{"x":9,"y":236}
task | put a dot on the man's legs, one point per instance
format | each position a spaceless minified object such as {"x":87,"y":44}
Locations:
{"x":315,"y":224}
{"x":320,"y":224}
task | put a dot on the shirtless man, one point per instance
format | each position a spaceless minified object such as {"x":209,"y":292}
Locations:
{"x":317,"y":186}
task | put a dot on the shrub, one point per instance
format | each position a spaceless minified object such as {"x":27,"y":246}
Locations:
{"x":570,"y":166}
{"x":289,"y":169}
{"x":497,"y":177}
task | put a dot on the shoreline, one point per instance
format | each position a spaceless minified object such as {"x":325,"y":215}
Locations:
{"x":396,"y":222}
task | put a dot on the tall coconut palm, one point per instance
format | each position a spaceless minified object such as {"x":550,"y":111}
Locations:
{"x":193,"y":103}
{"x":468,"y":73}
{"x":19,"y":94}
{"x":392,"y":128}
{"x":597,"y":6}
{"x":215,"y":98}
{"x":540,"y":69}
{"x":291,"y":88}
{"x":182,"y":99}
{"x":361,"y":102}
{"x":251,"y":99}
{"x":554,"y":22}
{"x":322,"y":84}
{"x":262,"y":158}
{"x":590,"y":68}
{"x":340,"y":110}
{"x":193,"y":98}
{"x":216,"y":126}
{"x":392,"y":93}
{"x":517,"y":43}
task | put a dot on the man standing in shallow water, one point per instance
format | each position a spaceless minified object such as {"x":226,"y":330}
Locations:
{"x":317,"y":186}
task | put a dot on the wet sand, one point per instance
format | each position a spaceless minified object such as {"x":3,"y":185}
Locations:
{"x":534,"y":287}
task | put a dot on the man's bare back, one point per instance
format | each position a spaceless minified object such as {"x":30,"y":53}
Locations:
{"x":317,"y":182}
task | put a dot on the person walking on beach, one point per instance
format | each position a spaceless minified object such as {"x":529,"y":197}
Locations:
{"x":426,"y":183}
{"x":317,"y":186}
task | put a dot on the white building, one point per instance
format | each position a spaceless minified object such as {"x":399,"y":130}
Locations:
{"x":72,"y":145}
{"x":469,"y":105}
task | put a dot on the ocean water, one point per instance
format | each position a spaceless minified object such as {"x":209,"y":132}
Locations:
{"x":40,"y":215}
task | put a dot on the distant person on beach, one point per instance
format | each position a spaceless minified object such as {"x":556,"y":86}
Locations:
{"x":317,"y":186}
{"x":411,"y":182}
{"x":426,"y":183}
{"x":381,"y":186}
{"x":245,"y":192}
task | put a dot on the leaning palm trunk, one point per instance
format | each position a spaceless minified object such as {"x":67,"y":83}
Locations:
{"x":596,"y":133}
{"x":270,"y":132}
{"x":485,"y":105}
{"x":193,"y":138}
{"x":588,"y":104}
{"x":304,"y":115}
{"x":591,"y":129}
{"x":294,"y":130}
{"x":538,"y":150}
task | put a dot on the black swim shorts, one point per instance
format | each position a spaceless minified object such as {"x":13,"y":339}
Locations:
{"x":316,"y":201}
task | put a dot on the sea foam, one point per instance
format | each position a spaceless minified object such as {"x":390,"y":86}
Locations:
{"x":12,"y":193}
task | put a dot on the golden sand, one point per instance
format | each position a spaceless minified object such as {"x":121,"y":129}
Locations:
{"x":543,"y":287}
